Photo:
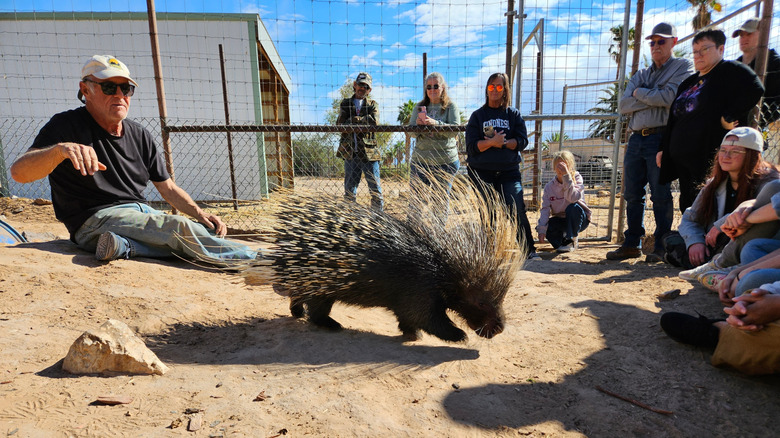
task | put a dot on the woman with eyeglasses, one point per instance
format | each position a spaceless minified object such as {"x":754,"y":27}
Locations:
{"x":435,"y":157}
{"x":715,"y":99}
{"x":738,"y":175}
{"x":495,"y":137}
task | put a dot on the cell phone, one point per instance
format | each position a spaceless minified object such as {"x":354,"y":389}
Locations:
{"x":423,"y":109}
{"x":489,"y":131}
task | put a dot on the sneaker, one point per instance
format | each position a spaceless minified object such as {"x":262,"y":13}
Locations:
{"x":657,"y":256}
{"x":533,"y":256}
{"x":695,"y":273}
{"x":624,"y":252}
{"x":565,"y":248}
{"x":111,"y":247}
{"x":711,"y":280}
{"x":688,"y":329}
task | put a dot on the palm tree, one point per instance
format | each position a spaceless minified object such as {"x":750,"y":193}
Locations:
{"x":617,"y":38}
{"x":405,"y":112}
{"x":605,"y":128}
{"x":703,"y":16}
{"x":553,"y":138}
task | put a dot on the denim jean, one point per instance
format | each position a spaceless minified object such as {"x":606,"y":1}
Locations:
{"x":563,"y":230}
{"x":155,"y":234}
{"x":752,"y":251}
{"x":423,"y":178}
{"x":639,"y":169}
{"x":509,"y":184}
{"x":755,"y":279}
{"x":353,"y":169}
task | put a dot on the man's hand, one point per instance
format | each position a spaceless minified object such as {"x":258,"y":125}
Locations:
{"x":658,"y":159}
{"x":213,"y":222}
{"x":83,"y":157}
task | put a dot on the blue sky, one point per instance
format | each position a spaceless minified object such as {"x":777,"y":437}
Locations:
{"x":324,"y":43}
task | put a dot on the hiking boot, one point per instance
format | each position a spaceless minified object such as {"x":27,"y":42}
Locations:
{"x":624,"y":252}
{"x":111,"y":247}
{"x":688,"y":329}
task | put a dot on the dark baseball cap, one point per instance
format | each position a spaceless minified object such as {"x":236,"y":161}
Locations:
{"x":664,"y":30}
{"x":749,"y":26}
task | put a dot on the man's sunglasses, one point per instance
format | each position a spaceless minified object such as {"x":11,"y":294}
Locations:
{"x":432,"y":87}
{"x":498,"y":88}
{"x":109,"y":88}
{"x":660,"y":42}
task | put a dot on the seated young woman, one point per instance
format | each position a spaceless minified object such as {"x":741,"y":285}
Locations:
{"x":739,"y":174}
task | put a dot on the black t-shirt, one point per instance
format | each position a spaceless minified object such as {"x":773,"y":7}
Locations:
{"x":731,"y":198}
{"x":770,"y":110}
{"x":132,"y":160}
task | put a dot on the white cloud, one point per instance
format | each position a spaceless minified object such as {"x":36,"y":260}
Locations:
{"x":364,"y":61}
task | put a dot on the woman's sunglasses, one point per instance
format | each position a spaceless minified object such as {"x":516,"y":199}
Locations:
{"x":109,"y":88}
{"x":432,"y":87}
{"x":498,"y":88}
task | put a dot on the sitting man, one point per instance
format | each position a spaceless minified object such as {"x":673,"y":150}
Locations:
{"x":747,"y":341}
{"x":99,"y":163}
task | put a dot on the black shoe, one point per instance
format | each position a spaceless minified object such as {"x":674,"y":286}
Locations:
{"x":624,"y":252}
{"x":691,"y":330}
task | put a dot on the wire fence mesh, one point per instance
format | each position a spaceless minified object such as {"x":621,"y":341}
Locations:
{"x":307,"y":54}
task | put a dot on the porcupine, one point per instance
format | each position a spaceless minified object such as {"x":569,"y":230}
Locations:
{"x":331,"y":250}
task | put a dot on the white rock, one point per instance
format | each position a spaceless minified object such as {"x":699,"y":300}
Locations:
{"x":111,"y":349}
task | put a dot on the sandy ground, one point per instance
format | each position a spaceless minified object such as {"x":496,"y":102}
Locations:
{"x":576,"y":323}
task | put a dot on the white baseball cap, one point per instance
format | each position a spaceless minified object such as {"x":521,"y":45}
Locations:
{"x":748,"y":138}
{"x":105,"y":67}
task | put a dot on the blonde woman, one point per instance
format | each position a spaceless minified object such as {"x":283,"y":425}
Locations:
{"x":564,"y":213}
{"x":435,"y":157}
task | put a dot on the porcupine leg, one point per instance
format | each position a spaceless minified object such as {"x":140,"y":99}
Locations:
{"x":440,"y":325}
{"x":319,"y":313}
{"x":296,"y":307}
{"x":410,"y":333}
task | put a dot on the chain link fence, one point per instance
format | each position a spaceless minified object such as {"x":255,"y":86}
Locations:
{"x":235,"y":181}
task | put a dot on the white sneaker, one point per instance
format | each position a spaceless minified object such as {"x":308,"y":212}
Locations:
{"x":569,"y":247}
{"x":695,"y":273}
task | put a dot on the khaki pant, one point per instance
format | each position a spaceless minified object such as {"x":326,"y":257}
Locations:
{"x":748,"y":352}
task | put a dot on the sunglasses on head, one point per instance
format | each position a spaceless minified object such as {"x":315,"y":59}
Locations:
{"x":109,"y":88}
{"x":498,"y":88}
{"x":660,"y":42}
{"x":432,"y":87}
